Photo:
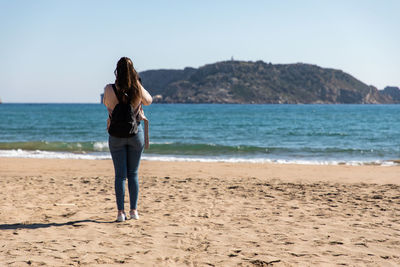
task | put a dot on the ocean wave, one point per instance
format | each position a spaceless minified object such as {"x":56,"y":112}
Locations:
{"x":19,"y":153}
{"x":82,"y":147}
{"x":188,"y":149}
{"x":100,"y":146}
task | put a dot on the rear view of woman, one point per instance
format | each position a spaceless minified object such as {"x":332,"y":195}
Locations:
{"x":123,"y":100}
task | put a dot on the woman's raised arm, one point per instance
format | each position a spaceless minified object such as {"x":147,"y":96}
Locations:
{"x":146,"y":97}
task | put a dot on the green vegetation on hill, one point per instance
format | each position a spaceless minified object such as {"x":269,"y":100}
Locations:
{"x":260,"y":82}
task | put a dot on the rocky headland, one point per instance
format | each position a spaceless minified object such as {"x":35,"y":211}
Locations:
{"x":263,"y":83}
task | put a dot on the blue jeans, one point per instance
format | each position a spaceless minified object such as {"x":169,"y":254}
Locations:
{"x":126,"y":153}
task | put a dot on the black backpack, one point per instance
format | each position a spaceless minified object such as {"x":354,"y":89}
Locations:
{"x":124,"y":119}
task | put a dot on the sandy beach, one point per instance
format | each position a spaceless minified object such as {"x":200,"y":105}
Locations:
{"x":62,"y":213}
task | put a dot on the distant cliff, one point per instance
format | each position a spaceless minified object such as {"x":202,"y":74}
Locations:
{"x":260,"y":82}
{"x":393,"y":93}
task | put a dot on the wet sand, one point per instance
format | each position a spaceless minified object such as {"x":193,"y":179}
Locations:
{"x":62,"y":212}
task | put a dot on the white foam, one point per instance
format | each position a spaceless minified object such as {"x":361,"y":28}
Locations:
{"x":100,"y":146}
{"x":19,"y":153}
{"x":263,"y":160}
{"x":38,"y":154}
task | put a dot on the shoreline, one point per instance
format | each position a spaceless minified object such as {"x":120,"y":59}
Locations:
{"x":43,"y":154}
{"x":286,"y":172}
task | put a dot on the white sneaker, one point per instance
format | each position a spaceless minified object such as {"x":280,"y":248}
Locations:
{"x":121,"y":217}
{"x":134,"y":215}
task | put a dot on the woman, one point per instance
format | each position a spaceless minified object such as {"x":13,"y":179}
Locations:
{"x":126,"y":151}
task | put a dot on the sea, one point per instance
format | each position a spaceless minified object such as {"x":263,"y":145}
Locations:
{"x":303,"y":134}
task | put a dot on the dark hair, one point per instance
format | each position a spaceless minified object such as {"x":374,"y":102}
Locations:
{"x":127,"y":80}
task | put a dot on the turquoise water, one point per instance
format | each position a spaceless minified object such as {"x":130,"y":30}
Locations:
{"x":260,"y":133}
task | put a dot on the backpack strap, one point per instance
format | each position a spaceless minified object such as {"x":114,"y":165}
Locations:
{"x":116,"y":92}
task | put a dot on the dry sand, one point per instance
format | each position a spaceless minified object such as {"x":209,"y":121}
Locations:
{"x":62,"y":213}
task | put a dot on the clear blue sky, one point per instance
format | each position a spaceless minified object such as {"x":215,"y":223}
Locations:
{"x":66,"y":51}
